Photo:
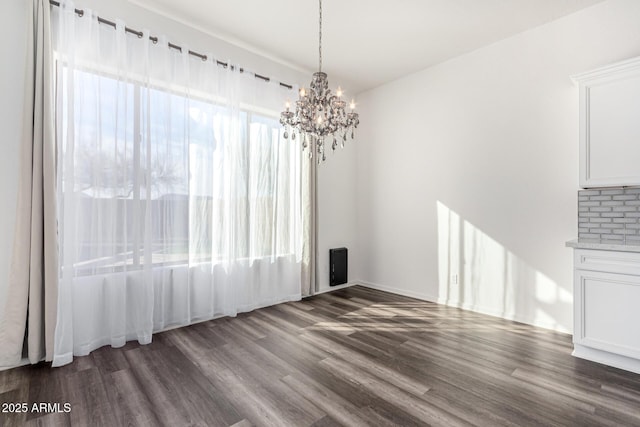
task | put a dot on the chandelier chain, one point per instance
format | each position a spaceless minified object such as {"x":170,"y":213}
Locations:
{"x":320,"y":37}
{"x":319,"y":116}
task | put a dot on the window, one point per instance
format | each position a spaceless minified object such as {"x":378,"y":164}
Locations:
{"x":160,"y":178}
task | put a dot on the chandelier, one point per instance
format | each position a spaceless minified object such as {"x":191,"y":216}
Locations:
{"x":319,"y":114}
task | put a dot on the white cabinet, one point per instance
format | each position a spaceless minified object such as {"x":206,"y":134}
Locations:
{"x":610,"y":125}
{"x":607,"y":307}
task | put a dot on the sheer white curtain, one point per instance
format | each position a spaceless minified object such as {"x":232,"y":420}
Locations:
{"x":179,"y":200}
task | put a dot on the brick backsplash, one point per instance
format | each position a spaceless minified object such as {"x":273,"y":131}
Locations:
{"x":609,"y":214}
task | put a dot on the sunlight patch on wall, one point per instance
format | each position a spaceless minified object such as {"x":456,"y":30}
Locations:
{"x":478,"y":273}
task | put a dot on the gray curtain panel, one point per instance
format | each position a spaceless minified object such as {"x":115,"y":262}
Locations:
{"x":32,"y":292}
{"x":310,"y":225}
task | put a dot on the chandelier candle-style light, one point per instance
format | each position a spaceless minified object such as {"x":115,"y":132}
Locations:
{"x":319,"y":113}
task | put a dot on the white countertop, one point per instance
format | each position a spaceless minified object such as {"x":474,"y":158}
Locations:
{"x":604,"y":245}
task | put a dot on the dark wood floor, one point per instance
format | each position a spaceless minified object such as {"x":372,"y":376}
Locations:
{"x":352,"y":357}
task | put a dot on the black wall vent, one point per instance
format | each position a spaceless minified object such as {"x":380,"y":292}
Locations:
{"x":338,"y":262}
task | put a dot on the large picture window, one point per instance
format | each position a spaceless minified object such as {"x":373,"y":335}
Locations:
{"x":178,"y":198}
{"x":137,"y":149}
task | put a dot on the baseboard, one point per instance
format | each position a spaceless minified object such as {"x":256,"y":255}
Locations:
{"x":398,"y":291}
{"x":606,"y":358}
{"x":468,"y":307}
{"x":335,"y":288}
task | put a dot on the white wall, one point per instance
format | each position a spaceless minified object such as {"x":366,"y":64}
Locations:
{"x":336,"y":177}
{"x":470,"y":168}
{"x":337,"y":210}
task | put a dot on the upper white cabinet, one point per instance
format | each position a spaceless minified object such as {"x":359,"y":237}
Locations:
{"x":610,"y":125}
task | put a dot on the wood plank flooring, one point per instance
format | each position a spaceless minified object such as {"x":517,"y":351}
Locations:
{"x":353,"y":357}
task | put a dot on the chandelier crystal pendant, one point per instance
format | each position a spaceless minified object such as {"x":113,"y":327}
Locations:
{"x":319,"y":114}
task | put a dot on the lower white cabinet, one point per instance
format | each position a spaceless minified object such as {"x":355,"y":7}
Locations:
{"x":607,"y":307}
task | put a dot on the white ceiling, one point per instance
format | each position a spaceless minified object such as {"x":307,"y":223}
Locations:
{"x":365,"y":42}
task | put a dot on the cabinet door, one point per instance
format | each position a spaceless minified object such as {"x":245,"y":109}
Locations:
{"x":610,"y":125}
{"x":607,"y":312}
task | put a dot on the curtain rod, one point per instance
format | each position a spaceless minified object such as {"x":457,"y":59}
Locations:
{"x":80,"y":13}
